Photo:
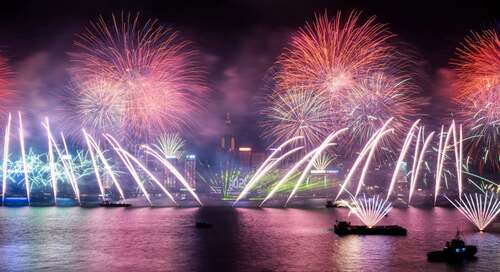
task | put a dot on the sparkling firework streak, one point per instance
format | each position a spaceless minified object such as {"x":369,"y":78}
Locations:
{"x":370,"y":210}
{"x":268,"y":160}
{"x":23,"y":157}
{"x":414,"y":174}
{"x":370,"y":155}
{"x":71,"y":169}
{"x":173,"y":170}
{"x":477,"y":66}
{"x":371,"y":142}
{"x":52,"y":165}
{"x":275,"y":162}
{"x":155,"y":72}
{"x":5,"y":158}
{"x":126,"y":157}
{"x":402,"y":154}
{"x":329,"y":55}
{"x":458,"y":151}
{"x":65,"y":163}
{"x":309,"y":165}
{"x":443,"y":147}
{"x":297,"y":113}
{"x":290,"y":172}
{"x":480,"y":209}
{"x":93,"y":146}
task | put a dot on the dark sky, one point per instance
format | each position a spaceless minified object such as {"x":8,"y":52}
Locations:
{"x":239,"y":40}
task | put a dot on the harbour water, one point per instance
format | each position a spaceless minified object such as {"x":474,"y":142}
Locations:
{"x":242,"y":239}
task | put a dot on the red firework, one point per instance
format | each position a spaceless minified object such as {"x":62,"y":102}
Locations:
{"x":477,"y":93}
{"x":329,"y":55}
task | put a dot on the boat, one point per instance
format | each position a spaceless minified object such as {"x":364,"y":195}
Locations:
{"x":330,"y":204}
{"x":109,"y":204}
{"x":203,"y":225}
{"x":345,"y":228}
{"x":454,"y":251}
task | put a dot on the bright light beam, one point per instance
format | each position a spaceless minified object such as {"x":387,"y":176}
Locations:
{"x":105,"y":162}
{"x":116,"y":146}
{"x":402,"y":154}
{"x":308,"y":167}
{"x":414,"y":175}
{"x":252,"y":181}
{"x":289,"y":174}
{"x":173,"y":170}
{"x":23,"y":158}
{"x":5,"y":158}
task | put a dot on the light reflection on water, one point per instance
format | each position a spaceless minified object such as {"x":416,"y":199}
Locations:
{"x":164,"y":239}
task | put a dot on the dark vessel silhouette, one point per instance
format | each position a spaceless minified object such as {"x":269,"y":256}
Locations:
{"x":202,"y":225}
{"x":330,"y":204}
{"x":454,"y":251}
{"x":109,"y":204}
{"x":345,"y":228}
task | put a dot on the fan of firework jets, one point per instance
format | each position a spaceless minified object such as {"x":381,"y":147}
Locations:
{"x":347,"y":76}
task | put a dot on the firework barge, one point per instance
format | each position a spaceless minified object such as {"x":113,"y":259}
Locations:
{"x":345,"y":228}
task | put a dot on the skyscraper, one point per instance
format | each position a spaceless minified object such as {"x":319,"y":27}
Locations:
{"x":190,"y":170}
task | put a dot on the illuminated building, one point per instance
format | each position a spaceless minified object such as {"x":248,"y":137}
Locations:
{"x":190,"y":170}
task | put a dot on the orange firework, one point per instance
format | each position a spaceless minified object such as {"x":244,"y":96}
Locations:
{"x":477,"y":88}
{"x":329,"y":55}
{"x":477,"y":64}
{"x":155,"y":71}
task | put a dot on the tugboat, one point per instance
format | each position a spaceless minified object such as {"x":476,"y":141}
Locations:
{"x":345,"y":228}
{"x":455,"y":251}
{"x":202,"y":225}
{"x":109,"y":204}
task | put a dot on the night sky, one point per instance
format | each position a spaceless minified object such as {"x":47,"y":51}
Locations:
{"x":239,"y":42}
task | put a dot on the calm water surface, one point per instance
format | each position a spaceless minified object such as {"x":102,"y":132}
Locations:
{"x":164,"y":239}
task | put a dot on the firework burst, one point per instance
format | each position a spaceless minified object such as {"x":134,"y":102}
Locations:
{"x":329,"y":55}
{"x":155,"y":72}
{"x":97,"y":105}
{"x":375,"y":100}
{"x":477,"y":90}
{"x":359,"y":74}
{"x":296,"y":113}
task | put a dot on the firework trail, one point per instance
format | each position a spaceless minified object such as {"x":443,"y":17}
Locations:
{"x":154,"y":71}
{"x":477,"y":87}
